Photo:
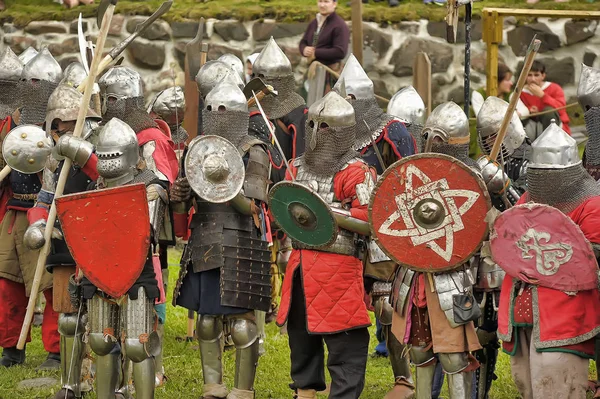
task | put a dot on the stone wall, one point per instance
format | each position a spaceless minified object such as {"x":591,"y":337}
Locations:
{"x":388,"y":51}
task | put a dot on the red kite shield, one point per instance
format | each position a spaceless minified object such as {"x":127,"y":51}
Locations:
{"x":428,"y":211}
{"x":108,"y":234}
{"x":540,"y":245}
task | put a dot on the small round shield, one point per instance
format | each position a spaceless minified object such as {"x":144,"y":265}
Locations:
{"x":26,"y":149}
{"x":302,"y":214}
{"x":540,"y":245}
{"x":214,"y":168}
{"x":427,"y":212}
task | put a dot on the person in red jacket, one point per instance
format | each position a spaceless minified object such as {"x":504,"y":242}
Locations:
{"x":323,"y":291}
{"x":540,"y":95}
{"x":550,"y":334}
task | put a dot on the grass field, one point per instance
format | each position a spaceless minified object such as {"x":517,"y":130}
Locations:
{"x":182,"y":364}
{"x":22,"y":11}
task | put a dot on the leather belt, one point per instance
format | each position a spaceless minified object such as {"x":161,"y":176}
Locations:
{"x":25,"y":197}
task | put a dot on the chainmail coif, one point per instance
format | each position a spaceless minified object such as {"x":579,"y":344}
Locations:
{"x":231,"y":125}
{"x":415,"y":131}
{"x":178,"y":134}
{"x":331,"y":150}
{"x":460,"y":152}
{"x":11,"y":91}
{"x":367,"y":110}
{"x":285,"y":101}
{"x":130,"y":111}
{"x":34,"y":101}
{"x":592,"y":147}
{"x":564,"y":189}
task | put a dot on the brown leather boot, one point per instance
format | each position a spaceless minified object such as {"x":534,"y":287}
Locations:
{"x":402,"y":389}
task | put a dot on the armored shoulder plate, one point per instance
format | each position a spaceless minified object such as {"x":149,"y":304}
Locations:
{"x":257,"y":173}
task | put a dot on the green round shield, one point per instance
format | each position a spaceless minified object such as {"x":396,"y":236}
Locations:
{"x":302,"y":214}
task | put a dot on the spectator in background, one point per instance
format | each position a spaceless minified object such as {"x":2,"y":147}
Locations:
{"x":249,"y":62}
{"x":539,"y":95}
{"x":326,"y":40}
{"x":392,"y":3}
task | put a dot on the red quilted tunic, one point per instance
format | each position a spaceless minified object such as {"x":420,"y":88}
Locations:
{"x":333,"y":283}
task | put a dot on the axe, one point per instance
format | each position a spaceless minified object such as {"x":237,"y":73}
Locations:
{"x":119,"y":48}
{"x":87,"y":95}
{"x":260,"y":88}
{"x":195,"y":57}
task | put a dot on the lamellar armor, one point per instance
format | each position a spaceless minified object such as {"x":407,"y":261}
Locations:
{"x":275,"y":69}
{"x":408,"y":106}
{"x":555,"y":175}
{"x":224,"y":235}
{"x":39,"y":77}
{"x":588,"y":94}
{"x":123,"y":97}
{"x":10,"y":74}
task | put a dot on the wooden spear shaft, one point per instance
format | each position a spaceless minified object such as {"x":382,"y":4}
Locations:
{"x":534,"y":46}
{"x":64,"y":173}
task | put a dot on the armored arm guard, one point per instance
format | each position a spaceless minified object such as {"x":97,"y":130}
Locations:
{"x":74,"y":148}
{"x":158,"y":199}
{"x":256,"y":185}
{"x":497,"y":181}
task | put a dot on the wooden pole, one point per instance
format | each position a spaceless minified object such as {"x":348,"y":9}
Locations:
{"x":64,"y":173}
{"x":422,"y":79}
{"x":357,"y":30}
{"x":492,"y":35}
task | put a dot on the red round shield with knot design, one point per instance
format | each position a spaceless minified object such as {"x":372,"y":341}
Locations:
{"x":540,"y":245}
{"x":428,"y":211}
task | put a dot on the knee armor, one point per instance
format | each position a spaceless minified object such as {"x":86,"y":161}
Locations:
{"x":453,"y":363}
{"x":209,"y":328}
{"x":69,"y":323}
{"x":420,"y":357}
{"x":383,"y":309}
{"x":243,"y":333}
{"x":104,"y":325}
{"x":141,"y":341}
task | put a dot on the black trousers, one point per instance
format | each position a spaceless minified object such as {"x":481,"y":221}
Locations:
{"x":346,"y":361}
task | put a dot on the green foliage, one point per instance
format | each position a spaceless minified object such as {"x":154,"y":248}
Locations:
{"x":182,"y":364}
{"x":21,"y":12}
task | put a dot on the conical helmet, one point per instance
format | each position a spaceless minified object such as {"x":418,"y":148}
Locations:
{"x":554,"y":149}
{"x":588,"y":92}
{"x":226,"y":96}
{"x":42,"y":67}
{"x":358,"y":84}
{"x":234,"y":63}
{"x":11,"y":66}
{"x":448,"y":122}
{"x":214,"y":72}
{"x":272,"y":62}
{"x":331,"y":111}
{"x":169,"y":105}
{"x":27,"y":55}
{"x":121,"y":82}
{"x":489,"y":120}
{"x":74,"y":74}
{"x":407,"y":105}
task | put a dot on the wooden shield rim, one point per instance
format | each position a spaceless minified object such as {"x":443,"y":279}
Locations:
{"x":100,"y":193}
{"x":411,"y":158}
{"x":299,"y":186}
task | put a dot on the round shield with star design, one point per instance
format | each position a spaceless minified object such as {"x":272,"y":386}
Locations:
{"x":427,"y":212}
{"x":302,"y":214}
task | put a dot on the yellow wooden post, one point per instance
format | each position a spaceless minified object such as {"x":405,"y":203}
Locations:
{"x":357,"y":30}
{"x":492,"y":35}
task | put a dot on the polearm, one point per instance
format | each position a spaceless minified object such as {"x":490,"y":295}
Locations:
{"x":119,"y":48}
{"x":467,"y":81}
{"x":534,"y":46}
{"x":64,"y":173}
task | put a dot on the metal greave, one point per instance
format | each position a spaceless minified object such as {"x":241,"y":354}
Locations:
{"x":400,"y":364}
{"x":424,"y":376}
{"x":107,"y":375}
{"x":144,"y":379}
{"x":459,"y":385}
{"x":244,"y":333}
{"x":72,"y":351}
{"x":210,"y":331}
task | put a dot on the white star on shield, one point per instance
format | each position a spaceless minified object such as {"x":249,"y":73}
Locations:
{"x":438,"y":190}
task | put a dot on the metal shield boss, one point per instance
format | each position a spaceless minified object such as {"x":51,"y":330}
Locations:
{"x":540,"y":245}
{"x":26,"y":148}
{"x":302,"y":214}
{"x":427,"y":212}
{"x":108,"y":234}
{"x":214,"y":168}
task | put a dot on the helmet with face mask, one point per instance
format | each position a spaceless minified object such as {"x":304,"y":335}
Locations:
{"x":276,"y":70}
{"x":225,"y":112}
{"x":39,"y":77}
{"x":489,"y":120}
{"x":10,"y":75}
{"x":408,"y":106}
{"x":118,"y":152}
{"x":169,"y":105}
{"x":122,"y":94}
{"x":330,"y":135}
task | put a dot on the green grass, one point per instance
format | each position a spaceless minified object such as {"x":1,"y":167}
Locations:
{"x":23,"y":11}
{"x":182,"y":364}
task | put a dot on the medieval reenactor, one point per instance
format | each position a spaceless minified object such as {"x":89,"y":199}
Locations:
{"x":408,"y":106}
{"x":424,"y":314}
{"x":287,"y":110}
{"x":225,"y":270}
{"x":169,"y":106}
{"x":17,"y":263}
{"x":234,"y":63}
{"x":547,"y":316}
{"x":505,"y":179}
{"x":121,"y":317}
{"x":588,"y":95}
{"x":393,"y":141}
{"x":63,"y":108}
{"x":123,"y":97}
{"x":323,"y":289}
